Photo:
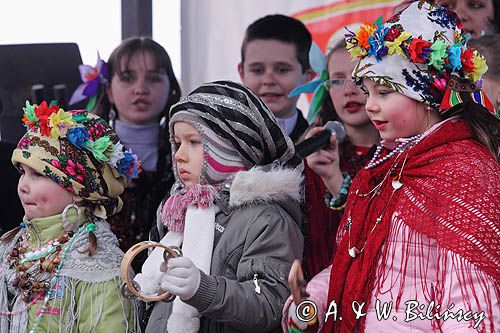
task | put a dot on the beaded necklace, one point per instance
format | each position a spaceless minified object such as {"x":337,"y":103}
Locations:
{"x":405,"y":143}
{"x":396,"y":184}
{"x":51,"y":259}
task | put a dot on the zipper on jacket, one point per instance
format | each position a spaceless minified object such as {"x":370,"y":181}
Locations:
{"x":255,"y":279}
{"x":256,"y":283}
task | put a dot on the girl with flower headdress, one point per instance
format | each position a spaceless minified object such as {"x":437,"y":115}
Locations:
{"x":328,"y":173}
{"x":60,"y":268}
{"x":134,"y":91}
{"x":234,"y":211}
{"x":419,"y":238}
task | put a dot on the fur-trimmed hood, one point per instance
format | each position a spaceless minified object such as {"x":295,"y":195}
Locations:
{"x":257,"y":185}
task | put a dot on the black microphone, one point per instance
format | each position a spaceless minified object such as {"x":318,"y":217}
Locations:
{"x":322,"y":139}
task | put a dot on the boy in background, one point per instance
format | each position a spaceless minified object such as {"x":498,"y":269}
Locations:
{"x":275,"y":60}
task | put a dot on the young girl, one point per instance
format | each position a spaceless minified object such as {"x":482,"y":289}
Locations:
{"x":345,"y":102}
{"x":60,"y":269}
{"x":138,"y":94}
{"x":235,"y":212}
{"x":419,"y":238}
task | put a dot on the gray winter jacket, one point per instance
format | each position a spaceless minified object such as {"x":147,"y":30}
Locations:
{"x":257,"y":237}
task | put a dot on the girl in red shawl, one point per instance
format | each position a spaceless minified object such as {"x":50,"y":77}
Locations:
{"x":418,"y":247}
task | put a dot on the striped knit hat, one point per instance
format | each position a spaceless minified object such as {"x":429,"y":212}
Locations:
{"x":238,"y":131}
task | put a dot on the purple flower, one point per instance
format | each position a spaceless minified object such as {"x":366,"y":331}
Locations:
{"x":78,"y":136}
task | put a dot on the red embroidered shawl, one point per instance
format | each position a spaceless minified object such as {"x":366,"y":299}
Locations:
{"x":450,"y":193}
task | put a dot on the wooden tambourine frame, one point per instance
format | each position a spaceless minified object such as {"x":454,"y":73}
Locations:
{"x":130,"y":288}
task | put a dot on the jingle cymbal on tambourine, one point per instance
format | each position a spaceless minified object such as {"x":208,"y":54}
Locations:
{"x":130,"y":288}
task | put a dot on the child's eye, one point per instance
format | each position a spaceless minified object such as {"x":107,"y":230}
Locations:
{"x":195,"y":142}
{"x":36,"y":174}
{"x":475,"y":5}
{"x":384,"y":92}
{"x":156,"y":78}
{"x":256,"y":70}
{"x":283,"y":69}
{"x":126,"y":77}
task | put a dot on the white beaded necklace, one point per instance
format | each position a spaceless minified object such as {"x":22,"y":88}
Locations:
{"x":401,"y":147}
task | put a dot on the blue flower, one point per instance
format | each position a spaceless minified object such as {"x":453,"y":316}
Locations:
{"x":78,"y":136}
{"x":129,"y":165}
{"x":376,"y":42}
{"x":454,"y":57}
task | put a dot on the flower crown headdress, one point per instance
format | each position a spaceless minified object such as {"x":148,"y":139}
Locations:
{"x":93,"y":78}
{"x":445,"y":72}
{"x":83,"y":132}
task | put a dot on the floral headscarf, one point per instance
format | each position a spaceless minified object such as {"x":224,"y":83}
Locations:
{"x":422,"y":53}
{"x":79,"y":151}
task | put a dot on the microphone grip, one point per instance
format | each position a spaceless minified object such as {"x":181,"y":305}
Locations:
{"x":314,"y":143}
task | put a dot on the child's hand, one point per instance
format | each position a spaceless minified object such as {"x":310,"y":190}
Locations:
{"x":326,"y":163}
{"x":182,"y":278}
{"x":297,"y":283}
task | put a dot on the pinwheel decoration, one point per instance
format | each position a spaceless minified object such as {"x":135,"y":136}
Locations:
{"x":316,"y":86}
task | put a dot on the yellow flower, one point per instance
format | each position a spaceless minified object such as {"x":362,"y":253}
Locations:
{"x":356,"y":51}
{"x":396,"y":45}
{"x":480,"y":67}
{"x":60,"y":123}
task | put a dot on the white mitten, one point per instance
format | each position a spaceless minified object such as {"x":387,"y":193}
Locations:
{"x":182,"y":278}
{"x":150,"y":277}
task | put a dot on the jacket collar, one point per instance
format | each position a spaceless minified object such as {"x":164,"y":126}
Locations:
{"x":259,"y":186}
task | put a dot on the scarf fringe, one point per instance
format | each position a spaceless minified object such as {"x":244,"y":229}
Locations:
{"x":75,"y":296}
{"x":435,"y":272}
{"x":173,"y":212}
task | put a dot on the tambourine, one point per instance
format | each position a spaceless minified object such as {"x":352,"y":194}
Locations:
{"x":131,"y":289}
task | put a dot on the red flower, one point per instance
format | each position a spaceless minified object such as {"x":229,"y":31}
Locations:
{"x":416,"y":48}
{"x":76,"y":170}
{"x":56,"y":164}
{"x":467,"y":60}
{"x":392,"y":34}
{"x":43,"y":113}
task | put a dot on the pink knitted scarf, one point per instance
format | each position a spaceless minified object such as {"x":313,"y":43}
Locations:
{"x":173,"y":212}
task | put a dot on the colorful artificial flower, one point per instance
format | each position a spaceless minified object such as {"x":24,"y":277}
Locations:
{"x":438,"y":54}
{"x":392,"y":34}
{"x":93,"y":78}
{"x":467,"y":59}
{"x":480,"y":67}
{"x":54,"y":122}
{"x":376,"y":42}
{"x":129,"y":165}
{"x":43,"y":113}
{"x":29,"y":117}
{"x":419,"y":50}
{"x":78,"y":136}
{"x":60,"y":122}
{"x":454,"y":62}
{"x":101,"y":148}
{"x":117,"y":154}
{"x":364,"y":33}
{"x":395,"y":46}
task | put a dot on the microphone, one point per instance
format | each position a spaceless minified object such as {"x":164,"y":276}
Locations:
{"x":322,"y":139}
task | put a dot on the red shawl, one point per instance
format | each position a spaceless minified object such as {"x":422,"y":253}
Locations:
{"x":450,"y":193}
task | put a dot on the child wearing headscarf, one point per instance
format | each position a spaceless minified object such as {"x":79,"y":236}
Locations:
{"x":60,"y":268}
{"x":418,"y":246}
{"x":234,"y":211}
